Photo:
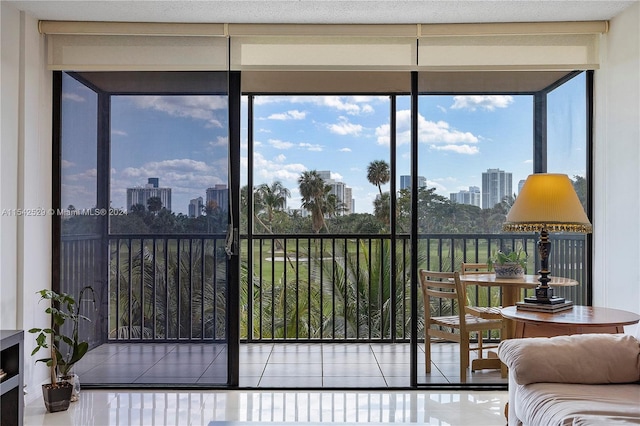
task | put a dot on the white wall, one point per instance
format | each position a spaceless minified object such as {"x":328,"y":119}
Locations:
{"x":9,"y":82}
{"x":25,"y":181}
{"x":617,"y":166}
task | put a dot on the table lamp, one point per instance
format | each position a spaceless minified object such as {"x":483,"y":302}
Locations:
{"x":547,"y":203}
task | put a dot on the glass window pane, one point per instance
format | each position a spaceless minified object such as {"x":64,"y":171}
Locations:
{"x":79,"y":167}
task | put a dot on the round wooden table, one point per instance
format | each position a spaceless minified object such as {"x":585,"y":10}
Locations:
{"x":511,"y":293}
{"x":577,"y":320}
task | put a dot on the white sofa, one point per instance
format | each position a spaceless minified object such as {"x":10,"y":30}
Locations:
{"x":583,"y":379}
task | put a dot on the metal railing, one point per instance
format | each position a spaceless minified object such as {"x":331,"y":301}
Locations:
{"x":303,"y":287}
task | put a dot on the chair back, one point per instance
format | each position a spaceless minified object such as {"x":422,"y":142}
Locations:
{"x":473,"y":268}
{"x":444,"y":286}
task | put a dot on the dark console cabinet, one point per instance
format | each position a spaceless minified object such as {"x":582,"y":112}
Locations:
{"x":12,"y":363}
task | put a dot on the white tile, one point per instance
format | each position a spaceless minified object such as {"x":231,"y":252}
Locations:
{"x":126,"y":407}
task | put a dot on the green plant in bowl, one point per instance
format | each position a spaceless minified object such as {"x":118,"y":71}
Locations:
{"x":508,"y":264}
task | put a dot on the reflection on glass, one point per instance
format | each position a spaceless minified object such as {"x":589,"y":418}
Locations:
{"x":169,"y":167}
{"x":566,"y":136}
{"x":79,"y":168}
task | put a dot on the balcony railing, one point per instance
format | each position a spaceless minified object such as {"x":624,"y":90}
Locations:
{"x":315,"y":287}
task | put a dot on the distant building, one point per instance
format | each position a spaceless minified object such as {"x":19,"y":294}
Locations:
{"x":218,"y":196}
{"x":520,"y":185}
{"x":472,"y":197}
{"x":496,"y":185}
{"x":405,"y":182}
{"x":195,"y":207}
{"x":349,"y":202}
{"x":140,"y":195}
{"x":339,"y":189}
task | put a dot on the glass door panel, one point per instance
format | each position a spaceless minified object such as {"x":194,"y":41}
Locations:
{"x":475,"y":149}
{"x":161,"y":183}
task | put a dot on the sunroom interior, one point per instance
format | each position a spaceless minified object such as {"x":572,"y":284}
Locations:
{"x":406,"y":63}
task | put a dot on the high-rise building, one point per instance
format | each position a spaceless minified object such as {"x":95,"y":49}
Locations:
{"x":195,"y":207}
{"x":520,"y":185}
{"x":338,"y":189}
{"x":496,"y":185}
{"x":472,"y":197}
{"x":141,"y":195}
{"x":218,"y":196}
{"x":405,"y":182}
{"x":348,"y":200}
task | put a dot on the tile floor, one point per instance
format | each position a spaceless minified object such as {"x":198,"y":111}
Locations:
{"x":279,"y":365}
{"x":255,"y":407}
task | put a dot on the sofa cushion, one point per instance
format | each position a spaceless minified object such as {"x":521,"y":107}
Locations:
{"x":566,"y":404}
{"x":583,"y":358}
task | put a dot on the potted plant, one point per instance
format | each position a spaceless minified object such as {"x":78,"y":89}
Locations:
{"x":64,"y":350}
{"x":508,"y":264}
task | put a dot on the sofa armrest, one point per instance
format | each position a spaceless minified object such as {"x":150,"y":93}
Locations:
{"x":580,"y":358}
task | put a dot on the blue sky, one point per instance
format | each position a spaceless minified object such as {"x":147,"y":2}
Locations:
{"x":183,"y":141}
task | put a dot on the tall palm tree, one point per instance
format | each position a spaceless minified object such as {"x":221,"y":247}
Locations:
{"x":314,"y":193}
{"x":378,"y":174}
{"x":273,"y":197}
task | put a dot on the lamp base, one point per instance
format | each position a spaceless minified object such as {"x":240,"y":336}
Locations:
{"x":554,"y":300}
{"x":544,"y":294}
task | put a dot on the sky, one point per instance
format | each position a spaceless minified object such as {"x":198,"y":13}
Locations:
{"x":182,"y":140}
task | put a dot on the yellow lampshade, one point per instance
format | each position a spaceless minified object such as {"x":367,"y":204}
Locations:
{"x":547,"y":201}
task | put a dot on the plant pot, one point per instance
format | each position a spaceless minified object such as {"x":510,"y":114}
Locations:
{"x":509,"y":270}
{"x":74,"y":380}
{"x":57,"y":397}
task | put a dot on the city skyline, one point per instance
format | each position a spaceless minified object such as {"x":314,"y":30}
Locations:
{"x":183,"y":140}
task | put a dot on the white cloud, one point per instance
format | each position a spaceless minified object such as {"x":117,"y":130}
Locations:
{"x":73,"y":97}
{"x":437,"y":134}
{"x":440,"y":188}
{"x":278,"y":144}
{"x":280,"y":158}
{"x":196,"y":107}
{"x":458,"y":149}
{"x":337,"y":176}
{"x":311,"y":147}
{"x":166,"y":168}
{"x":269,"y":171}
{"x":220,"y":141}
{"x":441,"y":108}
{"x":88,"y":176}
{"x":486,"y":102}
{"x":345,"y":128}
{"x":66,"y":164}
{"x":345,"y":149}
{"x":289,"y":115}
{"x":119,"y":132}
{"x":352,"y":105}
{"x":528,"y":161}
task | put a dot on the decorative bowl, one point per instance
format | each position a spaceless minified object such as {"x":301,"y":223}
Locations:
{"x":509,"y":270}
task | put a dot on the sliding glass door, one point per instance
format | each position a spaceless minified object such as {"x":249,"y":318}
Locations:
{"x":144,"y":193}
{"x":479,"y":135}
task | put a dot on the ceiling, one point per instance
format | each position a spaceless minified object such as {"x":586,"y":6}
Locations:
{"x":324,"y":11}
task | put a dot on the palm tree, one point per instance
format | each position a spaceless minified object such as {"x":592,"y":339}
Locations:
{"x":272,"y":197}
{"x":378,"y":174}
{"x":314,"y":193}
{"x":382,"y":208}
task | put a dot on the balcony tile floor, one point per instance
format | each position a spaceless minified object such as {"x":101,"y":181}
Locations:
{"x":275,"y":365}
